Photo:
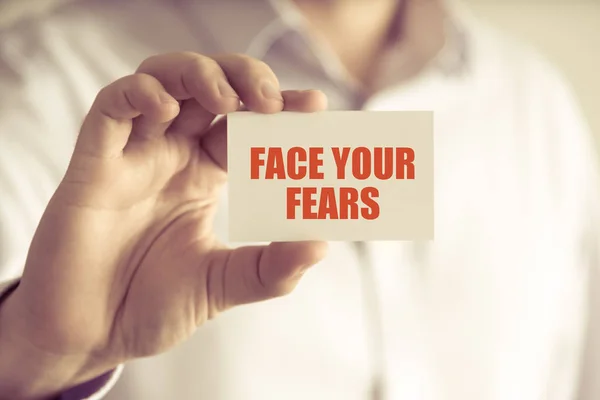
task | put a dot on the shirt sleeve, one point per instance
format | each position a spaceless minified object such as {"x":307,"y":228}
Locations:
{"x":584,"y":157}
{"x":95,"y":389}
{"x":576,"y":142}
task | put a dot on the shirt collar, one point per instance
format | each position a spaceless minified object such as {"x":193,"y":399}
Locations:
{"x":252,"y":27}
{"x":240,"y":26}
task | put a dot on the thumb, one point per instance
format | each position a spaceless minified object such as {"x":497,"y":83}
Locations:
{"x":256,"y":273}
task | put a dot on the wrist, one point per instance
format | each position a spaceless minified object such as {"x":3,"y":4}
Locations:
{"x":28,"y":372}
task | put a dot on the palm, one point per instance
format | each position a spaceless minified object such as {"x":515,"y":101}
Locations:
{"x":153,"y":208}
{"x":165,"y":284}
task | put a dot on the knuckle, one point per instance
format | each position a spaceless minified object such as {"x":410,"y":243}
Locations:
{"x":249,"y":65}
{"x":189,"y":54}
{"x":141,"y":81}
{"x":145,"y":65}
{"x":110,"y":98}
{"x":263,"y":66}
{"x":202,"y":67}
{"x":118,"y":94}
{"x":104,"y":92}
{"x":243,"y":63}
{"x":134,"y":82}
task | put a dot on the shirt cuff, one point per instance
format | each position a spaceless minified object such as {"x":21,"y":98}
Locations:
{"x":95,"y":389}
{"x":7,"y":287}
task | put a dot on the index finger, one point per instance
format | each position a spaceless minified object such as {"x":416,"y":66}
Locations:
{"x":219,"y":83}
{"x":189,"y":75}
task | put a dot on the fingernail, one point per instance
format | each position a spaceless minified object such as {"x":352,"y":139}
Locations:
{"x":271,"y":92}
{"x":226,"y":90}
{"x":301,"y":271}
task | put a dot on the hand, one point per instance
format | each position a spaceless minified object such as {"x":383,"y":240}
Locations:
{"x":124,"y":262}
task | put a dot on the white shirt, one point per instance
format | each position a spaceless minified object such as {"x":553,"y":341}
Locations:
{"x":495,"y":308}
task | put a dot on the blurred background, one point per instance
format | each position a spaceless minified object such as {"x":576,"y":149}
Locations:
{"x":566,"y":31}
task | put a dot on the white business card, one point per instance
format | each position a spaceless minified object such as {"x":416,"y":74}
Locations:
{"x":332,"y":175}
